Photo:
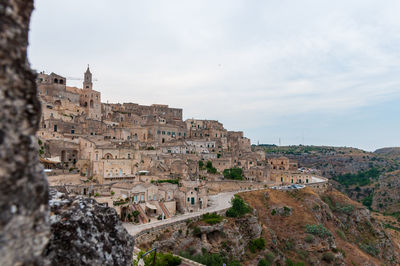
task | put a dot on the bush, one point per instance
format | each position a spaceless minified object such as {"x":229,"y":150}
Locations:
{"x":341,"y":234}
{"x":370,"y":249}
{"x":270,"y":257}
{"x":201,"y":165}
{"x":263,"y":262}
{"x":239,"y":207}
{"x":212,"y":218}
{"x":162,"y":259}
{"x":309,"y":239}
{"x":367,"y":201}
{"x":345,"y":208}
{"x":257,"y":244}
{"x":233,"y":173}
{"x":97,"y":194}
{"x":318,"y":230}
{"x":289,"y":262}
{"x":112,"y":193}
{"x":328,"y":257}
{"x":171,"y":181}
{"x":362,"y":178}
{"x":196,"y":231}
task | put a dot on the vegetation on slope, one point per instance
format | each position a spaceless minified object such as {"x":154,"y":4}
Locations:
{"x":233,"y":173}
{"x":272,"y":227}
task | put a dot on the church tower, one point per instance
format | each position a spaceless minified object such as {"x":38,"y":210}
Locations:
{"x":87,"y":82}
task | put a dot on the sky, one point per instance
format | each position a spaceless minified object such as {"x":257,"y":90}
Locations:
{"x":312,"y":72}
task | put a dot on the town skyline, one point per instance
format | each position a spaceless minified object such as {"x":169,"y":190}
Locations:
{"x":346,"y":96}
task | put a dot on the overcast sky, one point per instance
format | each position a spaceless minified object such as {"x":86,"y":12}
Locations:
{"x":309,"y":71}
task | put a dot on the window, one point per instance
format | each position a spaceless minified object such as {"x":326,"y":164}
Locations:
{"x":188,"y":199}
{"x":55,"y":128}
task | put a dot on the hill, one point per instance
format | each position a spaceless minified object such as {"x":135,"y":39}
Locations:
{"x":355,"y":172}
{"x":288,"y":228}
{"x":390,"y":151}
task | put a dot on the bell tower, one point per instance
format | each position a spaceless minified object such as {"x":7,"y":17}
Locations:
{"x":87,"y":81}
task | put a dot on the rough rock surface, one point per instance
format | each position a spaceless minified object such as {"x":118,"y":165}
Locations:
{"x":85,"y":232}
{"x":24,"y":227}
{"x":239,"y":233}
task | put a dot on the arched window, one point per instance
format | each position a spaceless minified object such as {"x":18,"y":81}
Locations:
{"x":91,"y":103}
{"x":61,"y":81}
{"x":55,"y":80}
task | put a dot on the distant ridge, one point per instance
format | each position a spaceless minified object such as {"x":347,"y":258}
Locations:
{"x":394,"y":151}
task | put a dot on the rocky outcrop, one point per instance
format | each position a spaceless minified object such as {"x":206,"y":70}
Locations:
{"x":84,"y":232}
{"x":230,"y":237}
{"x":24,"y":224}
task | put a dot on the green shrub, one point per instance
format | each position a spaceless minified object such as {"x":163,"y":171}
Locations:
{"x":97,"y":194}
{"x":234,"y":263}
{"x":263,"y":262}
{"x":328,"y":257}
{"x":239,"y":207}
{"x":112,"y":193}
{"x":362,"y":178}
{"x":196,"y":231}
{"x":162,"y":259}
{"x":257,"y":244}
{"x":367,"y":201}
{"x":318,"y":230}
{"x":309,"y":239}
{"x":345,"y":208}
{"x":211,"y":218}
{"x":233,"y":173}
{"x":341,"y":234}
{"x":370,"y":249}
{"x":270,"y":257}
{"x":201,"y":165}
{"x":171,"y":181}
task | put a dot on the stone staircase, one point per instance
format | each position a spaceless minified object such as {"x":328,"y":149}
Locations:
{"x":164,"y":210}
{"x":142,"y":216}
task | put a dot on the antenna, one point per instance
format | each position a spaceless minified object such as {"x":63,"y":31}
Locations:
{"x":279,"y":141}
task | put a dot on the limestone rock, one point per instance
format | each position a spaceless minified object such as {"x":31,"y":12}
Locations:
{"x":24,"y":224}
{"x":85,"y":232}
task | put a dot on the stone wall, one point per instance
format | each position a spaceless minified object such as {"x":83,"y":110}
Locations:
{"x":232,"y":185}
{"x":151,"y":234}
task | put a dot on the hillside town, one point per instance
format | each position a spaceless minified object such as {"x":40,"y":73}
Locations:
{"x":146,"y":161}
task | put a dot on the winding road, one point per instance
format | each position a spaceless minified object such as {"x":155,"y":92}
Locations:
{"x":217,"y":202}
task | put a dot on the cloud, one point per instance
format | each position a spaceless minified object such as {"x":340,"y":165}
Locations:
{"x":247,"y":63}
